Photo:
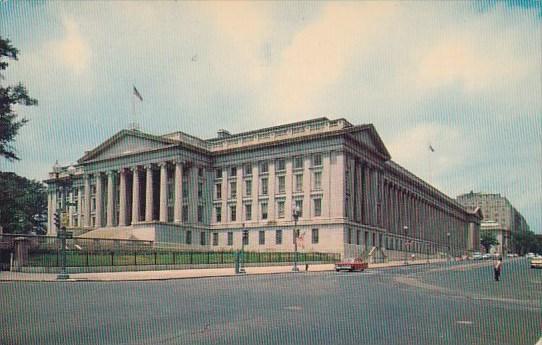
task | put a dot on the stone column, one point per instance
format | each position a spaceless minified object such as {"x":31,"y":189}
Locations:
{"x":110,"y":198}
{"x":135,"y":195}
{"x":365,"y":194}
{"x":86,"y":183}
{"x":357,"y":192}
{"x":163,"y":192}
{"x":122,"y":198}
{"x":79,"y":207}
{"x":99,"y":200}
{"x":148,"y":195}
{"x":177,"y":211}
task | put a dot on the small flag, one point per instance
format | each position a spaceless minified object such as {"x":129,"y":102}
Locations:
{"x":431,"y":148}
{"x":137,"y":94}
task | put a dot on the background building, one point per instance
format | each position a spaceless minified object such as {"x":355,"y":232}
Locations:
{"x":499,"y":215}
{"x":177,"y":188}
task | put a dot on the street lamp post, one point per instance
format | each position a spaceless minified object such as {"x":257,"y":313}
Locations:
{"x":65,"y":187}
{"x":295,"y":214}
{"x":448,"y":235}
{"x":405,"y":229}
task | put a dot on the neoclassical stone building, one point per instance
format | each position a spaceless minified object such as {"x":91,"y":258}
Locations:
{"x":176,"y":188}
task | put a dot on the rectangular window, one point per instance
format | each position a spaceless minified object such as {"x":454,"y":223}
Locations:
{"x":185,"y":213}
{"x":281,"y":181}
{"x":200,"y":213}
{"x":233,"y":213}
{"x":233,"y":172}
{"x":264,"y":167}
{"x":245,"y":238}
{"x":248,"y":187}
{"x":218,"y":173}
{"x":263,"y":207}
{"x":202,"y":238}
{"x":230,"y":238}
{"x":298,"y":162}
{"x":215,"y":238}
{"x":317,"y":160}
{"x":315,"y":237}
{"x":247,"y":170}
{"x":200,"y":172}
{"x":188,"y":237}
{"x":278,"y":237}
{"x":299,"y":206}
{"x":299,"y":183}
{"x":281,"y":165}
{"x":317,"y":207}
{"x":233,"y":190}
{"x":218,"y":214}
{"x":317,"y":181}
{"x":280,"y":208}
{"x":185,"y":189}
{"x":200,"y":189}
{"x":349,"y":236}
{"x":248,"y":212}
{"x":264,"y":185}
{"x":358,"y":237}
{"x":218,"y":191}
{"x":261,"y":237}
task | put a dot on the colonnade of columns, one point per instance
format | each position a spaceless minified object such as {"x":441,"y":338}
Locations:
{"x":365,"y":181}
{"x":126,"y":184}
{"x":423,"y":219}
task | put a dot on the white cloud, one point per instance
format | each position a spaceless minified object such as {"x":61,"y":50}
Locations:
{"x":72,"y":49}
{"x":321,"y":53}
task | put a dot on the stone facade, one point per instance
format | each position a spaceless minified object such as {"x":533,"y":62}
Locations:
{"x":203,"y":193}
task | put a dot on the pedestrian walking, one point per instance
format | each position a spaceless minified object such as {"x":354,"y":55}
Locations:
{"x":497,"y":267}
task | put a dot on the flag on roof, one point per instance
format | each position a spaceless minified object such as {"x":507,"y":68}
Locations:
{"x":431,"y":148}
{"x":137,"y":94}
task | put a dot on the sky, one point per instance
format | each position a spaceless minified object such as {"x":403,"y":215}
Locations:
{"x":463,"y":77}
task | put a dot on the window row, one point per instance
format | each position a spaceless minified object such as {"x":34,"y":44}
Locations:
{"x":263,"y":166}
{"x":315,"y":237}
{"x":264,"y":210}
{"x":264,"y":185}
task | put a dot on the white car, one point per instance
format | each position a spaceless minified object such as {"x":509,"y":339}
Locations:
{"x":530,"y":255}
{"x":536,"y":262}
{"x":477,"y":256}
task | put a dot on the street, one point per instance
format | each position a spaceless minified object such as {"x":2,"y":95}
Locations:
{"x":452,"y":303}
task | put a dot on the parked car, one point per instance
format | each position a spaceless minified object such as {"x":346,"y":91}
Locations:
{"x":351,"y":264}
{"x":536,"y":262}
{"x":486,"y":256}
{"x":477,"y":256}
{"x":529,"y":255}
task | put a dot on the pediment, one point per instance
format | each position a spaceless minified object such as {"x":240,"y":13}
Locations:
{"x":126,"y":142}
{"x":370,"y":139}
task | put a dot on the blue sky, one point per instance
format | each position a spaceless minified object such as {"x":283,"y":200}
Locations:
{"x":463,"y":76}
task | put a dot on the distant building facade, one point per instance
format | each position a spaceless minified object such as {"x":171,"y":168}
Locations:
{"x":499,"y":216}
{"x":177,"y":188}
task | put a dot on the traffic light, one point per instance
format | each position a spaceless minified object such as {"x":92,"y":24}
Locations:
{"x":56,"y":219}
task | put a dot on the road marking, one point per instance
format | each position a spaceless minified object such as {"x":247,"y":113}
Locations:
{"x":463,"y":322}
{"x":293,"y":307}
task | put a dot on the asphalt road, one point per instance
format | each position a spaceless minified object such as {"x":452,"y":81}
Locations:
{"x":437,"y":304}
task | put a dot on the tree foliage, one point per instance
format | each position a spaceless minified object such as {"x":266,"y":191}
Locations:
{"x":23,"y":204}
{"x":525,"y":242}
{"x":488,"y":239}
{"x":10,"y":96}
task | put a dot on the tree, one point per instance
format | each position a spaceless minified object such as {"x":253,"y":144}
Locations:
{"x":10,"y":122}
{"x":23,"y":206}
{"x":488,"y":239}
{"x":525,"y":242}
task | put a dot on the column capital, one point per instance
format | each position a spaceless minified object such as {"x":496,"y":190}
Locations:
{"x":163,"y":164}
{"x":111,"y":172}
{"x":123,"y":170}
{"x":134,"y":168}
{"x":148,"y":166}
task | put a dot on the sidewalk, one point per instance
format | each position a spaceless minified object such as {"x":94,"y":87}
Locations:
{"x":191,"y":273}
